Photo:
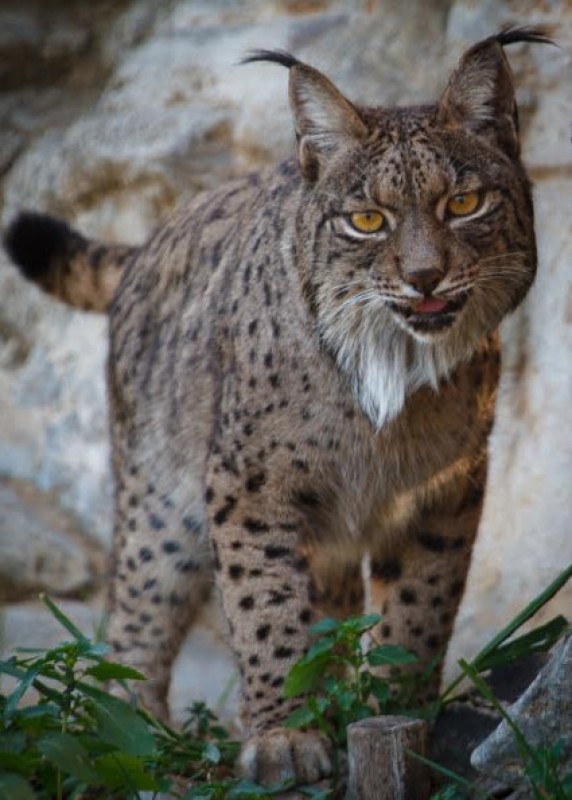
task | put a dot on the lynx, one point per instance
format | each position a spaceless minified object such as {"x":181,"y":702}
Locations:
{"x":302,"y":372}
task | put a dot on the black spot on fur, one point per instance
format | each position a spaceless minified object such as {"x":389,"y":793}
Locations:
{"x":236,"y":571}
{"x":388,"y":570}
{"x":247,"y":602}
{"x":255,"y":525}
{"x":283,"y":652}
{"x":262,"y":632}
{"x":222,"y":514}
{"x":408,"y":597}
{"x":171,"y":547}
{"x":145,"y":554}
{"x":306,"y":497}
{"x":255,"y":482}
{"x":187,"y":566}
{"x":432,"y":542}
{"x":276,"y":551}
{"x":156,"y":522}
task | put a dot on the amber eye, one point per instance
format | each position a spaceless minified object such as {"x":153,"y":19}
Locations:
{"x":367,"y":221}
{"x":462,"y":204}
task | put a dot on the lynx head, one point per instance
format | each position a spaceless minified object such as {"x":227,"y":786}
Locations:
{"x":415,"y":228}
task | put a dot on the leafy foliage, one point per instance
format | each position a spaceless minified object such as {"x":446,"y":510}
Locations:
{"x":335,"y":684}
{"x":78,"y":741}
{"x":78,"y":736}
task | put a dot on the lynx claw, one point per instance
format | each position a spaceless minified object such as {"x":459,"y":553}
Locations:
{"x":281,"y":755}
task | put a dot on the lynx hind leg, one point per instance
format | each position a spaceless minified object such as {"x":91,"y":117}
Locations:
{"x":418,"y":590}
{"x":162,"y":575}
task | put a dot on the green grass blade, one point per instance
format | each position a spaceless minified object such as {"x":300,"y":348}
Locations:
{"x":529,"y":611}
{"x":62,"y":618}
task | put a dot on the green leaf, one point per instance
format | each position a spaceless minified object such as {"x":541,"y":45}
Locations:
{"x":109,"y":670}
{"x":379,"y":688}
{"x":67,"y":754}
{"x":12,"y":742}
{"x":123,"y":770}
{"x":211,"y":753}
{"x":318,"y":649}
{"x":14,"y":787}
{"x":63,"y":619}
{"x":14,"y":698}
{"x":315,"y":792}
{"x":14,"y":762}
{"x":300,"y":718}
{"x":361,"y":624}
{"x":201,"y":792}
{"x":538,"y":640}
{"x":246,"y":790}
{"x":326,"y":625}
{"x":306,"y":676}
{"x":391,"y":655}
{"x":119,"y":724}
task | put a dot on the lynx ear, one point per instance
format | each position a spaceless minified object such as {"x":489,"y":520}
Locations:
{"x":480,"y":94}
{"x":324,"y":119}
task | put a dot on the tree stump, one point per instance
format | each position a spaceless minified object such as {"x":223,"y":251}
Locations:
{"x":380,"y":766}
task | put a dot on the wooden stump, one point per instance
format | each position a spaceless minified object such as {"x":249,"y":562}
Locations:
{"x":380,"y":768}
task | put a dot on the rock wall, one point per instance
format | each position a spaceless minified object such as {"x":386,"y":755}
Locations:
{"x":114,"y":112}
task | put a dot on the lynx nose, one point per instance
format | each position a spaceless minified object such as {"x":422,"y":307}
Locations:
{"x":424,"y":280}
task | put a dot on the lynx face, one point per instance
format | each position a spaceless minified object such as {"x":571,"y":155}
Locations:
{"x":416,"y":235}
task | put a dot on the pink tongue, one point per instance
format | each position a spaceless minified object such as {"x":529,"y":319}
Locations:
{"x":431,"y":305}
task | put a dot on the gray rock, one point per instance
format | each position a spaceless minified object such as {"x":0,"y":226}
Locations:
{"x":39,"y":548}
{"x":544,"y":716}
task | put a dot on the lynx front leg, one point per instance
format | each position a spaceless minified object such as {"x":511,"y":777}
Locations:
{"x":418,"y":590}
{"x":266,"y":593}
{"x":161,"y":576}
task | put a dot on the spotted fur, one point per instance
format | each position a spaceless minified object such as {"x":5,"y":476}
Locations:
{"x":284,"y":401}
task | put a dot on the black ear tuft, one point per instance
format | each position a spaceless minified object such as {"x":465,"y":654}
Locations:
{"x":33,"y":241}
{"x":539,"y":34}
{"x":273,"y":56}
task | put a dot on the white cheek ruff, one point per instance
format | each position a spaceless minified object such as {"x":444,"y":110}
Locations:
{"x":384,"y":362}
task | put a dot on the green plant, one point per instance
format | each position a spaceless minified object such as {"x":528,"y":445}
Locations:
{"x":335,"y":685}
{"x":78,"y":738}
{"x":77,"y":735}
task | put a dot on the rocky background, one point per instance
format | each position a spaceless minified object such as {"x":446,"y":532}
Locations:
{"x":114,"y":111}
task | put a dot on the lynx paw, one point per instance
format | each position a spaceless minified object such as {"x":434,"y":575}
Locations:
{"x":281,"y":755}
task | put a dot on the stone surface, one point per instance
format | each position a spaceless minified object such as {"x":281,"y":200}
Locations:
{"x":111,"y":113}
{"x":543,"y":714}
{"x":41,"y":549}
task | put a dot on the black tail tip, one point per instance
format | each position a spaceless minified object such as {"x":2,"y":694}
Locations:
{"x":33,"y":240}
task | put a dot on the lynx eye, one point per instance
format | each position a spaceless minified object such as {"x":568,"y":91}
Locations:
{"x":460,"y":205}
{"x":367,"y":221}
